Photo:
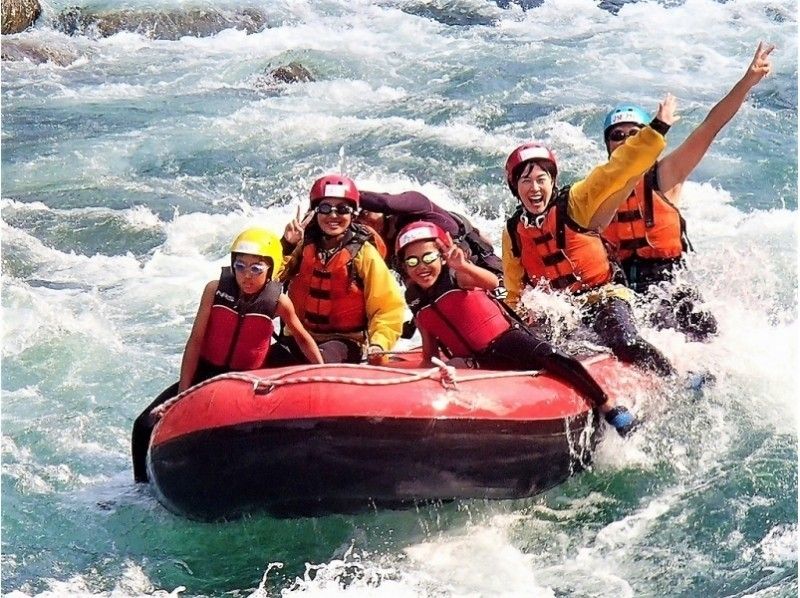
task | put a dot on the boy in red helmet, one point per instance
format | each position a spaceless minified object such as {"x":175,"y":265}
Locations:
{"x":552,"y":239}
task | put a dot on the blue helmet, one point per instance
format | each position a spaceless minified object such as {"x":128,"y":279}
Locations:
{"x":625,"y":113}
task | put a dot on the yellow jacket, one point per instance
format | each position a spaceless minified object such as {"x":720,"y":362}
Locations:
{"x":386,"y":306}
{"x":594,"y":200}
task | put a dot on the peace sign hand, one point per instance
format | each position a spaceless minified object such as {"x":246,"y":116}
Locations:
{"x":760,"y":67}
{"x":295,"y":229}
{"x":453,"y":254}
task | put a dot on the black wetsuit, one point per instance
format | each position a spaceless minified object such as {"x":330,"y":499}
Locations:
{"x":612,"y":319}
{"x":518,"y":348}
{"x":676,"y":305}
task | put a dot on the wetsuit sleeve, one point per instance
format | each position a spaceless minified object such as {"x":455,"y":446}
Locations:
{"x":594,"y":200}
{"x":411,"y":205}
{"x":386,"y":308}
{"x":513,"y":272}
{"x":408,"y":202}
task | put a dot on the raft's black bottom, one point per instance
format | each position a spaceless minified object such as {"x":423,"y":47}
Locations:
{"x":316,"y":467}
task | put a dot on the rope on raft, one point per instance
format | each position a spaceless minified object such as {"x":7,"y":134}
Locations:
{"x":443,"y":373}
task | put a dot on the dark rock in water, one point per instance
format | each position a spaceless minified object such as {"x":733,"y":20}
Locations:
{"x":454,"y":16}
{"x":17,"y":50}
{"x":612,"y":6}
{"x":273,"y":79}
{"x":524,"y":4}
{"x":18,"y":15}
{"x":167,"y":25}
{"x":293,"y":72}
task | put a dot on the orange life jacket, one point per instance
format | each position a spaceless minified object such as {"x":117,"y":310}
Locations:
{"x":238,"y":334}
{"x":558,"y":250}
{"x":327,"y":295}
{"x":464,"y":321}
{"x":647,"y":225}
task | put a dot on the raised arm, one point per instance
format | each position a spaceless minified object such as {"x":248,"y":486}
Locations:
{"x":594,"y":200}
{"x":468,"y":274}
{"x":675,"y":167}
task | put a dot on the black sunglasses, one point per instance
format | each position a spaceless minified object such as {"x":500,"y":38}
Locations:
{"x":342,"y":209}
{"x":412,"y":261}
{"x":619,"y":134}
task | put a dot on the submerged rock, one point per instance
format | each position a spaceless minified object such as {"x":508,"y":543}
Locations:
{"x":18,"y":15}
{"x":166,"y":25}
{"x":293,"y":72}
{"x":26,"y":49}
{"x":273,"y":79}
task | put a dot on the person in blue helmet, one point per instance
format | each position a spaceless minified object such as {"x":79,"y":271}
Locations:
{"x":648,"y":234}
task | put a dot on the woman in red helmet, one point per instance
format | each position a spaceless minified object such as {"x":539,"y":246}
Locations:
{"x":455,"y":313}
{"x":553,"y":240}
{"x":342,"y":289}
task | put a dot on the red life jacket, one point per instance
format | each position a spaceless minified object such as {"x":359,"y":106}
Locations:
{"x":239,"y":333}
{"x":560,"y":251}
{"x":647,"y":225}
{"x":464,"y":321}
{"x":327,"y":295}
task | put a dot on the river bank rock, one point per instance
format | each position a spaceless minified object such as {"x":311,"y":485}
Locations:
{"x":29,"y":49}
{"x":164,"y":25}
{"x":18,"y":15}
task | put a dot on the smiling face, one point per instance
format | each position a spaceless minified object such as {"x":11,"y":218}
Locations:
{"x":535,"y":188}
{"x":334,"y":224}
{"x":252,"y":272}
{"x":415,"y":256}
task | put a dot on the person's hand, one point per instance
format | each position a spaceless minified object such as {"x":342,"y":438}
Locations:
{"x":454,"y":255}
{"x":375,"y":355}
{"x":296,"y":227}
{"x":666,"y":110}
{"x":760,"y":67}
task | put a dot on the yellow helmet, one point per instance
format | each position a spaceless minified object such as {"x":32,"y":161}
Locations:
{"x":260,"y":242}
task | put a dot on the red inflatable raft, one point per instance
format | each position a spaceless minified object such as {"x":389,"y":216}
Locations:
{"x":310,"y":440}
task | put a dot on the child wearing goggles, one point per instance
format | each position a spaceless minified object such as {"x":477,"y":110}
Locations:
{"x":233,"y":328}
{"x":455,"y":314}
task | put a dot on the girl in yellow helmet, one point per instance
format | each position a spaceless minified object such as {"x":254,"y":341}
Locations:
{"x":233,"y":327}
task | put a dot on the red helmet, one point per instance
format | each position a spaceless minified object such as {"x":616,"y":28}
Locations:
{"x":335,"y":186}
{"x":419,"y":231}
{"x":525,"y":153}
